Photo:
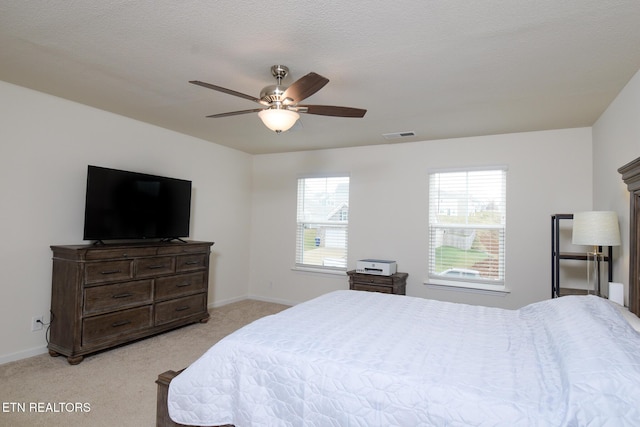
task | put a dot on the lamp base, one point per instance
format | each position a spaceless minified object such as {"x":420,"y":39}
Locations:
{"x":593,"y":273}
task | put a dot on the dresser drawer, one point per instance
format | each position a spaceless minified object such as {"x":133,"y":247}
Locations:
{"x":120,"y":324}
{"x":178,"y":248}
{"x":100,"y":299}
{"x":367,"y":279}
{"x":151,"y":267}
{"x":372,"y":288}
{"x":108,"y":271}
{"x":127,"y":252}
{"x":180,"y":308}
{"x":183,"y":284}
{"x":191,"y":262}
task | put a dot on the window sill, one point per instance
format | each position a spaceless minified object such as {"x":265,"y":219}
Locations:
{"x":478,"y":288}
{"x":320,"y":270}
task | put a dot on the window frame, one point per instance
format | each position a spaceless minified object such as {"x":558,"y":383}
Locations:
{"x":471,"y":283}
{"x":299,"y":262}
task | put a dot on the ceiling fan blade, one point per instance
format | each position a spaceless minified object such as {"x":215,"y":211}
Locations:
{"x":331,"y":110}
{"x":235,"y":113}
{"x":304,"y":87}
{"x":228,"y":91}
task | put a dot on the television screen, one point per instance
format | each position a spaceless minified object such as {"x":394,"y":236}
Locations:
{"x":130,"y":205}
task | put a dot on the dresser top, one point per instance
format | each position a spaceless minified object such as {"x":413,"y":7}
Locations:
{"x":128,"y":250}
{"x":124,"y":245}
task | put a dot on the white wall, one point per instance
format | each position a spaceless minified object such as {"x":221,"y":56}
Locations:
{"x":45,"y":146}
{"x":616,"y":142}
{"x":549,"y":172}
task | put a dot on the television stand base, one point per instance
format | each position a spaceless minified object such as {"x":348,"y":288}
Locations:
{"x":171,"y":239}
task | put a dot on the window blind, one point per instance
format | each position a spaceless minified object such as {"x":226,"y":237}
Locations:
{"x":322,"y":222}
{"x":467,"y":226}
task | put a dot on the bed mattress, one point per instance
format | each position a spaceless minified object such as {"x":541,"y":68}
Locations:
{"x":352,"y":358}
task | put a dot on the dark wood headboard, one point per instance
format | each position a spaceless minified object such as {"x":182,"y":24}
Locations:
{"x":631,"y":176}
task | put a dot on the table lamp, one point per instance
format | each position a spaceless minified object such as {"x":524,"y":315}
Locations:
{"x":597,"y":229}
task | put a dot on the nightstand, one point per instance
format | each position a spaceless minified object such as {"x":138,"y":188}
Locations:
{"x":394,"y":284}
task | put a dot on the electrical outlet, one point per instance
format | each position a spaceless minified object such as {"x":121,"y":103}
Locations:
{"x":37,"y":323}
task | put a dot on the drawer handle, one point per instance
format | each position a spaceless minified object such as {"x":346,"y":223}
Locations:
{"x":111,"y":272}
{"x":182,"y":285}
{"x":157,"y":266}
{"x":120,"y":323}
{"x":125,"y":295}
{"x":192,"y":262}
{"x":183,"y":308}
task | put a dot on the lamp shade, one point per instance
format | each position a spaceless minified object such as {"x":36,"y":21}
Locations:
{"x":278,"y":120}
{"x":596,"y":228}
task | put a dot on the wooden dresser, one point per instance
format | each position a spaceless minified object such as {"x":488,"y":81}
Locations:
{"x":104,"y":296}
{"x":394,"y":284}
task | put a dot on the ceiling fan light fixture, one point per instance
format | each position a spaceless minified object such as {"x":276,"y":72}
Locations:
{"x":278,"y":119}
{"x":283,"y":102}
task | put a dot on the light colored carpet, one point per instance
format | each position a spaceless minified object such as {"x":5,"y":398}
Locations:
{"x":116,"y":386}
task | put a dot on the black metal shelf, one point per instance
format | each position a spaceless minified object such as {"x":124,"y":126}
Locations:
{"x":580,"y":256}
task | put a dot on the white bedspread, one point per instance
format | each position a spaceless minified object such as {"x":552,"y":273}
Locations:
{"x":368,"y":359}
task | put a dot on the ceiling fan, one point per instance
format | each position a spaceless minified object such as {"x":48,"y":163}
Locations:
{"x":281,"y":103}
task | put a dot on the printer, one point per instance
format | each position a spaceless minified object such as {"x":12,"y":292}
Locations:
{"x":380,"y":267}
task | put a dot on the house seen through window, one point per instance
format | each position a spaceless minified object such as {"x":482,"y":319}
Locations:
{"x":322,"y":222}
{"x":467,"y":212}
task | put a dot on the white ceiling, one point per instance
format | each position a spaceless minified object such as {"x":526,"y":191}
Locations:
{"x":441,"y":68}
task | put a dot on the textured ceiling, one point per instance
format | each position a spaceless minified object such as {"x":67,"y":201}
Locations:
{"x":440,"y":68}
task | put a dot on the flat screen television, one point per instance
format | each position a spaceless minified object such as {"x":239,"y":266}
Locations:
{"x":122,"y":205}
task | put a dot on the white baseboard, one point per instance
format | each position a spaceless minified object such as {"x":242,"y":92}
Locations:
{"x":273,"y":300}
{"x":6,"y":358}
{"x":216,"y":304}
{"x":253,"y":297}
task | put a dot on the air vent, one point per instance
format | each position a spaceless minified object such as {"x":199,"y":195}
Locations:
{"x":396,"y":135}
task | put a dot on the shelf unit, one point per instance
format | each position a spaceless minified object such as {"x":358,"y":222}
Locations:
{"x":557,"y":256}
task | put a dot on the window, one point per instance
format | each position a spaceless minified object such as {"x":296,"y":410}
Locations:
{"x":322,"y":224}
{"x":467,"y":211}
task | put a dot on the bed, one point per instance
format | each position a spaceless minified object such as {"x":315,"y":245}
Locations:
{"x":354,"y":358}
